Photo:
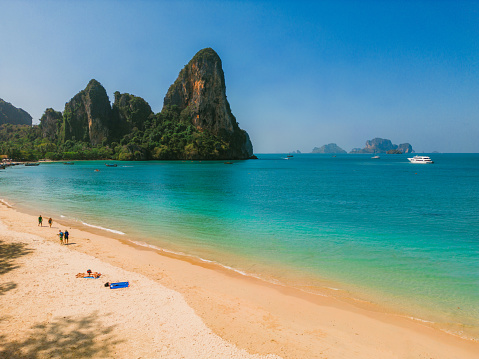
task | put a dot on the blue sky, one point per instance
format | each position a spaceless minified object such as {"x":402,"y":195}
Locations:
{"x":299,"y":74}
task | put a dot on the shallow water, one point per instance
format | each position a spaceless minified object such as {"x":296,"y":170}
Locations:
{"x":402,"y":235}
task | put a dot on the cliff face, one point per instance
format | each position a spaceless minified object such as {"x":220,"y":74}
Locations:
{"x":15,"y":116}
{"x":405,"y":148}
{"x":331,"y":148}
{"x":200,"y":94}
{"x":50,"y":123}
{"x":87,"y":117}
{"x":129,"y":111}
{"x":381,"y":145}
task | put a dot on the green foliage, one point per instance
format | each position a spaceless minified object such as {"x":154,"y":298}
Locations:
{"x":169,"y":135}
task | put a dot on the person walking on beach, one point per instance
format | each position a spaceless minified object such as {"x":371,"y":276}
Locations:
{"x":50,"y":221}
{"x":40,"y":220}
{"x":65,"y":235}
{"x":60,"y":234}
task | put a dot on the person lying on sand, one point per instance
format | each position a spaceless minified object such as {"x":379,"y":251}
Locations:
{"x":86,"y":275}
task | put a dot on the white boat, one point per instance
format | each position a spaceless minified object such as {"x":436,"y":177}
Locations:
{"x":420,"y":159}
{"x":375,"y":157}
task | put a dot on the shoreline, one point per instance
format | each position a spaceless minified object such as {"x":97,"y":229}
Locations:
{"x":258,"y":316}
{"x":293,"y":284}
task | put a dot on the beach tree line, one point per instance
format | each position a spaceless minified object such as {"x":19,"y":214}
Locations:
{"x":168,"y":135}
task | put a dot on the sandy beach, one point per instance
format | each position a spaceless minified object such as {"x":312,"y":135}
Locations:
{"x":177,"y":307}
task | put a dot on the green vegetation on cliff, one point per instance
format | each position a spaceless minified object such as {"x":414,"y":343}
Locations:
{"x":11,"y":114}
{"x":164,"y":137}
{"x":195,"y":123}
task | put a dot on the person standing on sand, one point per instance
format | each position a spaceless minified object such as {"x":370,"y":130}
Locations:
{"x":66,"y":234}
{"x":40,"y":220}
{"x":60,"y":234}
{"x":50,"y":221}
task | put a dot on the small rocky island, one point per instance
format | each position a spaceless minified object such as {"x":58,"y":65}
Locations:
{"x":331,"y":148}
{"x":380,"y":145}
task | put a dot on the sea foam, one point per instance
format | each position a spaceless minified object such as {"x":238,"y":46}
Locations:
{"x":104,"y":229}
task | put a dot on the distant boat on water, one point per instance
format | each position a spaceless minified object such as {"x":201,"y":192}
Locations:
{"x":32,"y":164}
{"x":111,"y":165}
{"x":68,"y":163}
{"x":289,"y":156}
{"x":376,"y":157}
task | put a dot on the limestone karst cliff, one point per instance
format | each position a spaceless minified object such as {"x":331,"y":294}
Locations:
{"x":200,"y":94}
{"x":129,"y":112}
{"x":195,"y":123}
{"x":13,"y":115}
{"x":50,"y":124}
{"x":87,"y":116}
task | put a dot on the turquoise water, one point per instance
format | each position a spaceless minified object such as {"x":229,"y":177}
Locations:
{"x":402,"y":235}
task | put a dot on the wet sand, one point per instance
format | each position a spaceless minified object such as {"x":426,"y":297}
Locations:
{"x":177,"y":307}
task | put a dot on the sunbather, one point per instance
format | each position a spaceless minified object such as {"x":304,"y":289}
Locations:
{"x":88,"y":275}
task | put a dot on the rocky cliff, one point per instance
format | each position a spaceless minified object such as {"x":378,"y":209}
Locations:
{"x":331,"y":148}
{"x":15,"y":116}
{"x":129,"y":112}
{"x":200,"y":94}
{"x":87,"y":116}
{"x":381,"y":145}
{"x":50,"y":124}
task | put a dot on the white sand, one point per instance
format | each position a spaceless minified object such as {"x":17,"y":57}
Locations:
{"x":47,"y":312}
{"x":176,"y":308}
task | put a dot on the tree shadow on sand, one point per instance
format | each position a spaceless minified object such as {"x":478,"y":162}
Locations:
{"x":63,"y":338}
{"x":5,"y":287}
{"x":9,"y":252}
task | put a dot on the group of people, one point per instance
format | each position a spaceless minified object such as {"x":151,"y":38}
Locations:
{"x":40,"y":221}
{"x":63,"y":235}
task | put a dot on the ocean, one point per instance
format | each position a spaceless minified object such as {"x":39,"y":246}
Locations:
{"x":403,"y":237}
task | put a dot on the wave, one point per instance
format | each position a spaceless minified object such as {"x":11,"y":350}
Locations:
{"x":102,"y":228}
{"x":143,"y":244}
{"x":5,"y":202}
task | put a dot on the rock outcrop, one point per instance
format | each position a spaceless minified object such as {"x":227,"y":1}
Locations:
{"x":13,"y":115}
{"x":129,"y":112}
{"x":51,"y":123}
{"x":88,"y":115}
{"x":199,"y":92}
{"x":381,"y":145}
{"x":331,"y":148}
{"x":195,"y":123}
{"x":405,"y":148}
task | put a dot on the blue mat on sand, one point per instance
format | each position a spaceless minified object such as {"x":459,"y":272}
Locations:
{"x":119,"y":285}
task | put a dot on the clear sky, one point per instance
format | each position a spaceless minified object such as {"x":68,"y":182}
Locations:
{"x":299,"y":74}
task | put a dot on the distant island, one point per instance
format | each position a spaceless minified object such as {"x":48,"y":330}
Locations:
{"x":195,"y":123}
{"x":331,"y":148}
{"x":376,"y":145}
{"x":380,"y":145}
